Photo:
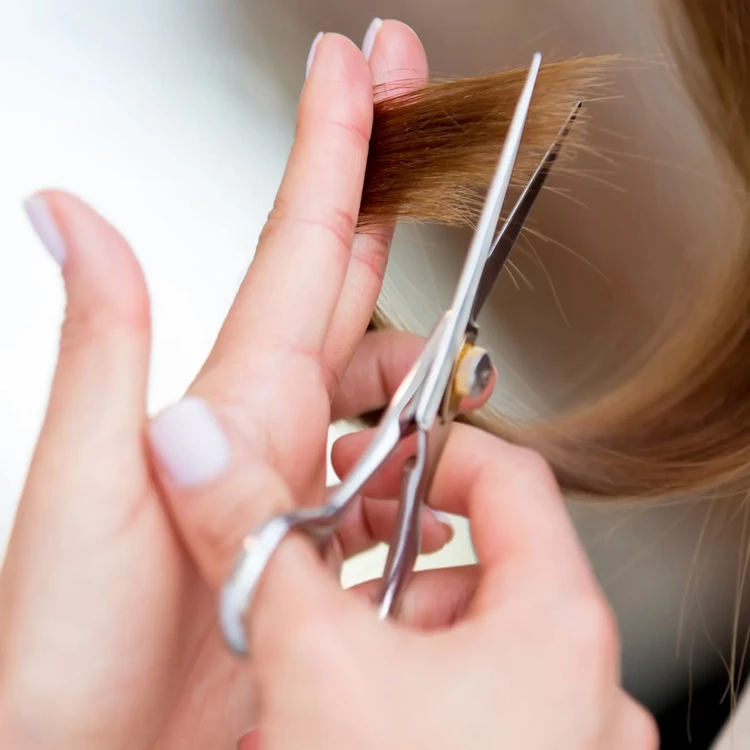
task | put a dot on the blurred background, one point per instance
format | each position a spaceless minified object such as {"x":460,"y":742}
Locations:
{"x":174,"y":119}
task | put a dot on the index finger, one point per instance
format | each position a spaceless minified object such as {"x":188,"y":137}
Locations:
{"x":288,"y":297}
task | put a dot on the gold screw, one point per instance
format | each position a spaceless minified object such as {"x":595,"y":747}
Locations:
{"x":473,"y":372}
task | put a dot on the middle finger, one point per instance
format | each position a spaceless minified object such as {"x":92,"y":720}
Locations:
{"x":399,"y":64}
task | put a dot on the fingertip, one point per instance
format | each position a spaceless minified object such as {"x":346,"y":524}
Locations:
{"x":311,"y":53}
{"x":334,"y":55}
{"x":438,"y":531}
{"x":379,"y":364}
{"x":189,"y":443}
{"x":399,"y":36}
{"x":97,"y":262}
{"x":371,"y":36}
{"x":46,"y":227}
{"x":398,"y":60}
{"x":346,"y":449}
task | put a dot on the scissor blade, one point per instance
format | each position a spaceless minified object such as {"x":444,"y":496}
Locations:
{"x":451,"y":339}
{"x":512,"y":228}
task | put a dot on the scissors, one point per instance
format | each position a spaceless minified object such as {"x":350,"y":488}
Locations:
{"x":450,"y":371}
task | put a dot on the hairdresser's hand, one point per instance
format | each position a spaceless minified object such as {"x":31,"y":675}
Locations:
{"x":519,"y":652}
{"x":108,"y":634}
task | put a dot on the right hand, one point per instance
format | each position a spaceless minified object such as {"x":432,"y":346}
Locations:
{"x":519,"y":652}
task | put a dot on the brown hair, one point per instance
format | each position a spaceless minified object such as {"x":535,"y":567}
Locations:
{"x":681,"y":422}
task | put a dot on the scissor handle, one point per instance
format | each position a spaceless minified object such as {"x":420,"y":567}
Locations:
{"x":258,"y":548}
{"x":407,"y":541}
{"x":419,"y":472}
{"x":320,"y":523}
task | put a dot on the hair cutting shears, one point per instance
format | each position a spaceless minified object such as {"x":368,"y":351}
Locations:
{"x":450,"y":370}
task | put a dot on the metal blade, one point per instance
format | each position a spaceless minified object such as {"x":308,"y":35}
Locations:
{"x":511,"y":230}
{"x":449,"y":346}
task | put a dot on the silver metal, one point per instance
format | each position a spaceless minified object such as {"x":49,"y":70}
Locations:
{"x":511,"y":230}
{"x":425,"y":405}
{"x":258,"y":548}
{"x":452,"y":338}
{"x":473,"y":373}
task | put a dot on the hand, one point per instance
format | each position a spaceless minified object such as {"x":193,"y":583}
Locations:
{"x":108,"y":634}
{"x":519,"y":652}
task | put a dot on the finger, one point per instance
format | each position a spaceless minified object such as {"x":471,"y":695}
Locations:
{"x":288,"y":297}
{"x":216,"y":495}
{"x":398,"y":63}
{"x":379,"y":364}
{"x":251,"y":741}
{"x":371,"y":522}
{"x":96,"y":412}
{"x":224,"y":458}
{"x":433,"y":599}
{"x":518,"y":519}
{"x":214,"y":468}
{"x":378,"y":367}
{"x":301,"y":613}
{"x":633,"y":727}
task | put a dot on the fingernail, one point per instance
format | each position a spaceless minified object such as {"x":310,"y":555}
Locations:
{"x":444,"y":519}
{"x":370,"y":36}
{"x":311,"y":54}
{"x":46,"y":228}
{"x":189,"y":442}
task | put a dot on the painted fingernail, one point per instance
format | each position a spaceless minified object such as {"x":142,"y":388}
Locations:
{"x":444,"y":519}
{"x":46,"y":228}
{"x":311,"y":54}
{"x":370,"y":36}
{"x":189,"y":442}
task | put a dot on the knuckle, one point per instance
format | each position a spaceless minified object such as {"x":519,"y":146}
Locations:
{"x":86,"y":325}
{"x":335,"y":223}
{"x":371,"y":250}
{"x":83,"y":328}
{"x":274,"y":222}
{"x":352,"y":124}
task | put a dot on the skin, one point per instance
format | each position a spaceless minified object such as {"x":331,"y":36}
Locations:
{"x":108,"y":633}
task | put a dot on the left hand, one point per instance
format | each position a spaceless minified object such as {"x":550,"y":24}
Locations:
{"x":108,"y":632}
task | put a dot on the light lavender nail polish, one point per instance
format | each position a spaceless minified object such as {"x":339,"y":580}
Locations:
{"x":370,"y":36}
{"x":444,"y":518}
{"x":45,"y":226}
{"x":311,"y":54}
{"x":190,"y":443}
